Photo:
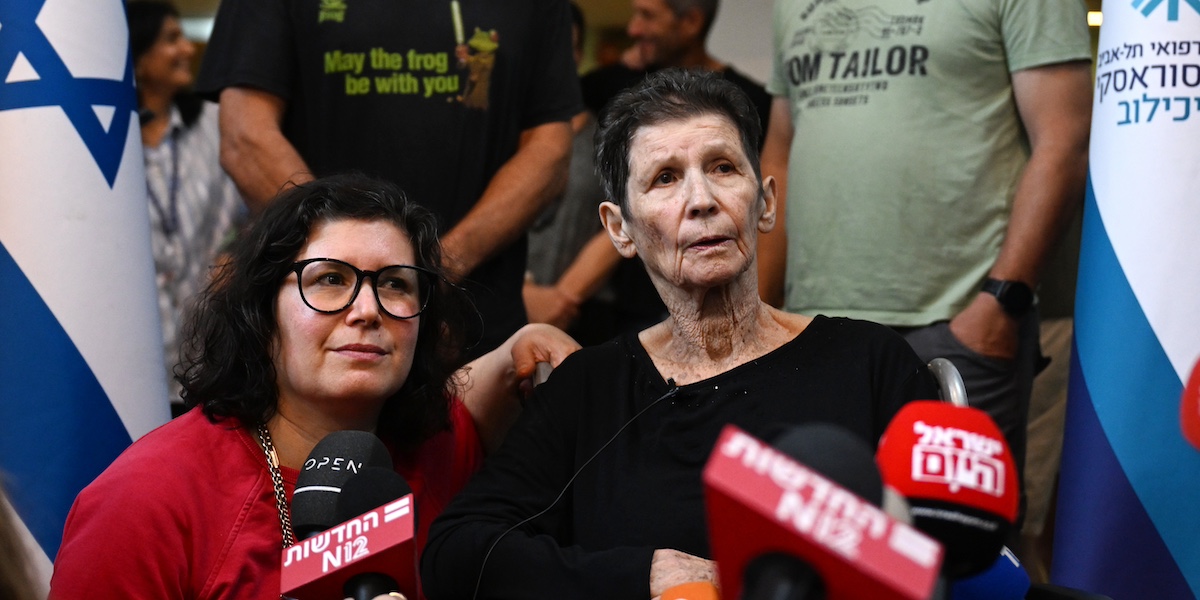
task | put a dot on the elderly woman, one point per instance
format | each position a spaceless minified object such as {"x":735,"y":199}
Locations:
{"x":622,"y":431}
{"x":332,"y":314}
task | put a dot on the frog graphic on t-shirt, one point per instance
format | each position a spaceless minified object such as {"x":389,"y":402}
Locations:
{"x":479,"y":66}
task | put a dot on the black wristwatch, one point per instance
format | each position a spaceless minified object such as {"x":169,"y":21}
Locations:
{"x":1015,"y":297}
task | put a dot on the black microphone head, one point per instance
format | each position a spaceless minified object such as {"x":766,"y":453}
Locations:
{"x":778,"y":576}
{"x":369,"y":489}
{"x":837,"y":454}
{"x":972,"y":538}
{"x":336,"y":458}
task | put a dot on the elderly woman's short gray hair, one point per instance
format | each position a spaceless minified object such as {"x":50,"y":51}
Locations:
{"x":668,"y":95}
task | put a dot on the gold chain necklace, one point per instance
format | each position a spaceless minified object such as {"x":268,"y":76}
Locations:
{"x":285,"y":515}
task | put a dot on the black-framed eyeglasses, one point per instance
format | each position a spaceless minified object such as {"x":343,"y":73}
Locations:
{"x":328,"y":285}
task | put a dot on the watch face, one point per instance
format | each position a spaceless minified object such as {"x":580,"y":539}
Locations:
{"x":1021,"y":295}
{"x":1014,"y":296}
{"x":1018,"y":297}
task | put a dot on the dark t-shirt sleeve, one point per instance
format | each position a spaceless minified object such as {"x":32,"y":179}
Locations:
{"x":251,"y":46}
{"x":523,"y":479}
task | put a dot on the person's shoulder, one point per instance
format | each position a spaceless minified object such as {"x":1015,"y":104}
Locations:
{"x":591,"y":369}
{"x":142,"y":514}
{"x":190,"y":439}
{"x":850,"y":331}
{"x":850,"y":325}
{"x":603,"y":355}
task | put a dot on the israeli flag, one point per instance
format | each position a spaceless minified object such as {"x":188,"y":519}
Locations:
{"x":1128,"y":524}
{"x":80,"y":340}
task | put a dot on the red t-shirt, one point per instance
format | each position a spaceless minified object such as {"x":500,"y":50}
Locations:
{"x":188,"y":511}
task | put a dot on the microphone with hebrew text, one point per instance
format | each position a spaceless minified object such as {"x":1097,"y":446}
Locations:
{"x":780,"y":529}
{"x":954,"y":467}
{"x":372,"y":552}
{"x":334,"y":459}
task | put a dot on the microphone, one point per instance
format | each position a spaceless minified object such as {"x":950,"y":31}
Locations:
{"x":781,"y":529}
{"x":1004,"y":579}
{"x":336,"y":458}
{"x":696,"y":590}
{"x":362,"y":493}
{"x":954,"y":467}
{"x":1189,"y":408}
{"x":836,"y":454}
{"x":370,"y":553}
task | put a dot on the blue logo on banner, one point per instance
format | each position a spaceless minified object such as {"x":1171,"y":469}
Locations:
{"x":1172,"y":7}
{"x":55,"y":86}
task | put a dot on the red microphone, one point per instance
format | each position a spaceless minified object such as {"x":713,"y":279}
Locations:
{"x":1189,"y":408}
{"x":954,"y":467}
{"x":790,"y":524}
{"x":696,"y":590}
{"x":367,"y":555}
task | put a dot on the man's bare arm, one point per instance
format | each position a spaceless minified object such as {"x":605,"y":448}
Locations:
{"x":1055,"y":106}
{"x":559,"y":304}
{"x":254,"y":151}
{"x":525,"y":184}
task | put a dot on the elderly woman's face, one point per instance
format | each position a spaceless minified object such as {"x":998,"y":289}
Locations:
{"x":355,"y":359}
{"x":694,"y":206}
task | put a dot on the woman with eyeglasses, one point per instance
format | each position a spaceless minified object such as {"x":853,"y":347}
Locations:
{"x":332,"y":314}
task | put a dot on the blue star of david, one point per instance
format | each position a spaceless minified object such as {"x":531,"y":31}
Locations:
{"x":55,"y":86}
{"x":1172,"y":7}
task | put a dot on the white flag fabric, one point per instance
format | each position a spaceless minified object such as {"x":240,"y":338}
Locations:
{"x":80,"y":340}
{"x":1127,"y":524}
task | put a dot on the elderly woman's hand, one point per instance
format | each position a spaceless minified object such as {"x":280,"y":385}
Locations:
{"x":670,"y":568}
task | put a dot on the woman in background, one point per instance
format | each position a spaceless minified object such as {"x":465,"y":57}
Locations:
{"x":194,"y":206}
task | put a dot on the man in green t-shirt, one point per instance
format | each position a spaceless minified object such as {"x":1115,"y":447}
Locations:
{"x":931,"y":153}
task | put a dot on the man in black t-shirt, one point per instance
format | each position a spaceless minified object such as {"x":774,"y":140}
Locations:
{"x":465,"y":104}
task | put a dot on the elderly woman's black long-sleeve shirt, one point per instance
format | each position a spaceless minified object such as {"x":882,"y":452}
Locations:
{"x":644,"y":491}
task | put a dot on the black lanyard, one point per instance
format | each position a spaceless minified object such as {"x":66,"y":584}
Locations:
{"x":169,"y":216}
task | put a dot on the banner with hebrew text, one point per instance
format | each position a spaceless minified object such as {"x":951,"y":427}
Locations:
{"x":1127,"y":524}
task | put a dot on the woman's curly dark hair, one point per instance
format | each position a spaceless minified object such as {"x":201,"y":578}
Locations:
{"x":227,"y":366}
